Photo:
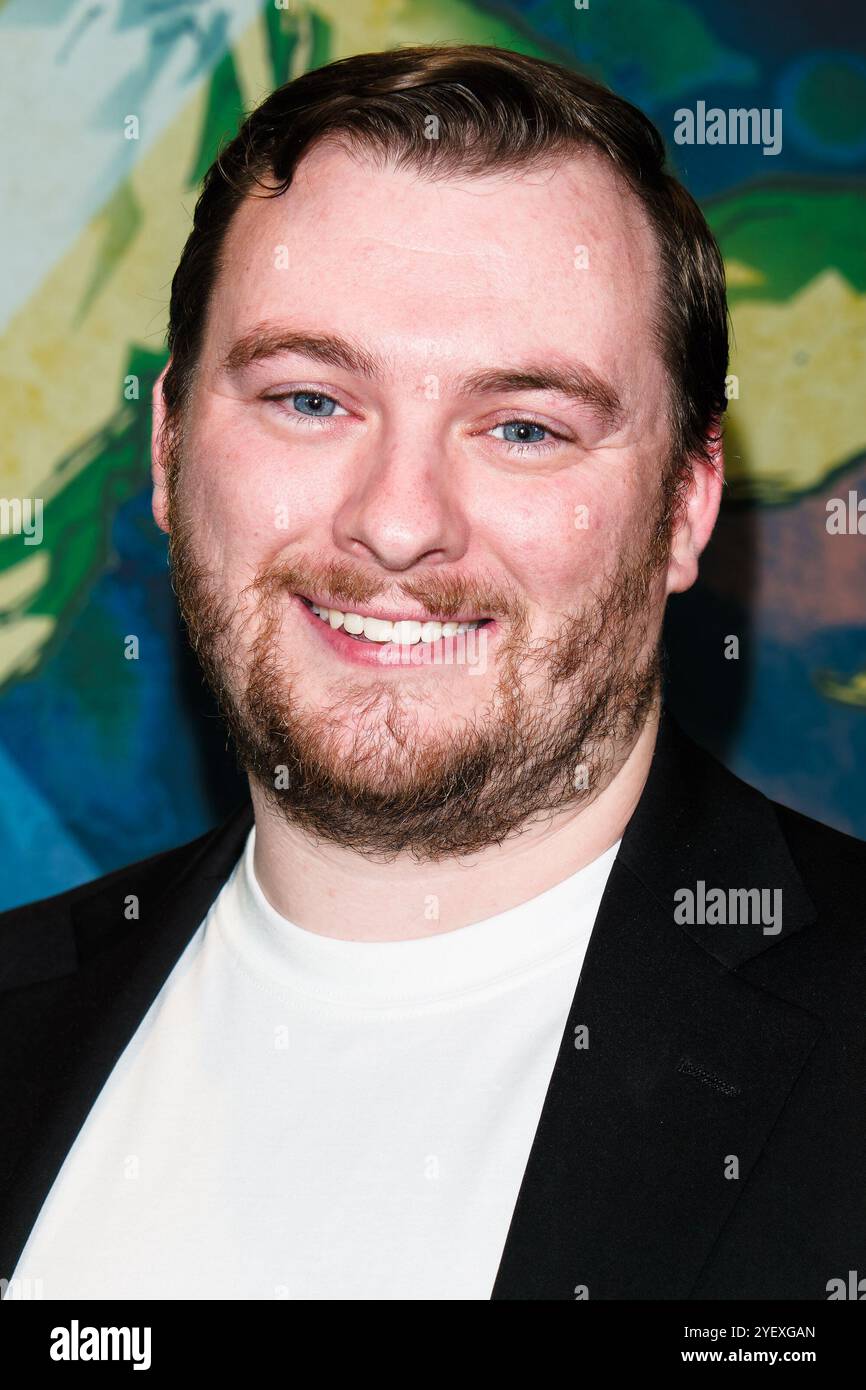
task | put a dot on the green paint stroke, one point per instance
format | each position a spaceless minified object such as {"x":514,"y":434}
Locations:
{"x":790,"y":231}
{"x":85,"y":491}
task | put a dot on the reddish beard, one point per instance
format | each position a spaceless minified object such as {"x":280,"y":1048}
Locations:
{"x":389,"y":787}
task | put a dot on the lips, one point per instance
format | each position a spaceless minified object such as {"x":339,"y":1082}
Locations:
{"x":460,"y":652}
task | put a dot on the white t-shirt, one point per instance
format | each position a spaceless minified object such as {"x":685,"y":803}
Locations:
{"x":308,"y":1118}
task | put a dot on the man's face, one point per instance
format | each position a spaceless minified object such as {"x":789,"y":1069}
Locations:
{"x":421,"y":470}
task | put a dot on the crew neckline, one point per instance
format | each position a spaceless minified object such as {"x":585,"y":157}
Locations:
{"x":487,"y":954}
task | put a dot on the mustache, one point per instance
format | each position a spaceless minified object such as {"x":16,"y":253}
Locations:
{"x":345,"y":584}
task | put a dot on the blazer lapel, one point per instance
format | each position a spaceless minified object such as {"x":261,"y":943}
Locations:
{"x":102,"y":997}
{"x":683,"y":1066}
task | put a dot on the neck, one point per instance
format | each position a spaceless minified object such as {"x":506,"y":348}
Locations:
{"x":337,"y":892}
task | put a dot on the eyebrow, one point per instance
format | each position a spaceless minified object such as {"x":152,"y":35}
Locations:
{"x":574,"y":380}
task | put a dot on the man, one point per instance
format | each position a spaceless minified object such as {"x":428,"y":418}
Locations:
{"x":498,"y":987}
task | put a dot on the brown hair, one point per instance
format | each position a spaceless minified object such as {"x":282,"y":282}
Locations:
{"x":494,"y":110}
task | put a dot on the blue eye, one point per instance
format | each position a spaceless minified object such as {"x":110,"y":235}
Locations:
{"x":523,"y":427}
{"x":526,"y":437}
{"x":306,"y":407}
{"x":313,"y":403}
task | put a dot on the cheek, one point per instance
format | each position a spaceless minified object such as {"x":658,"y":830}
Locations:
{"x":553,"y":542}
{"x":248,"y":500}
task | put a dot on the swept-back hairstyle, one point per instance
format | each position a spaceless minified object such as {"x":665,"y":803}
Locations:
{"x":468,"y":110}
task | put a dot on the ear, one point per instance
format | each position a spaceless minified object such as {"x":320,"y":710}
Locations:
{"x":700,"y":508}
{"x":159,"y":501}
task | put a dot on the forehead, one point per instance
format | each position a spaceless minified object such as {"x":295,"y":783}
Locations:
{"x":551,"y":258}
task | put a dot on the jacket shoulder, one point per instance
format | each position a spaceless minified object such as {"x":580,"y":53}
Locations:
{"x":59,"y":935}
{"x":156,"y":869}
{"x":823,"y":855}
{"x":832,"y":867}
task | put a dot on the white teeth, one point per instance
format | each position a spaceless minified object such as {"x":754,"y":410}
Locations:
{"x":406,"y":631}
{"x":377,"y":629}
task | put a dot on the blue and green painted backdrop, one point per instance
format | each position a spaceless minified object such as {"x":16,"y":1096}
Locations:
{"x":104,"y":760}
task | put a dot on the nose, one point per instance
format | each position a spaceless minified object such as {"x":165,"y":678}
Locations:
{"x":404,"y":508}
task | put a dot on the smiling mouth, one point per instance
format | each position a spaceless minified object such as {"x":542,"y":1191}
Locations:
{"x":406,"y":632}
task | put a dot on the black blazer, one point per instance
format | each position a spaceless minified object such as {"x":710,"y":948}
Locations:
{"x":706,"y":1044}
